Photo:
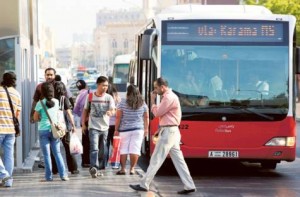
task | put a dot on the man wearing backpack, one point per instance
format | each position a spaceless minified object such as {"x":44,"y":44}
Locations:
{"x":99,"y":107}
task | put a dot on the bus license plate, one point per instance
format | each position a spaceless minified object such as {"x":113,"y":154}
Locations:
{"x":223,"y":154}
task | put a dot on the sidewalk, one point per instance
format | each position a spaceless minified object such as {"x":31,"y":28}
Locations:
{"x":33,"y":184}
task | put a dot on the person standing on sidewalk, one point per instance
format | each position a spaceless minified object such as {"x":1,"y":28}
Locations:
{"x":132,"y":122}
{"x":169,"y":113}
{"x":78,"y":110}
{"x":47,"y":140}
{"x":7,"y":129}
{"x":65,"y":106}
{"x":112,"y":90}
{"x":49,"y":77}
{"x":100,"y":108}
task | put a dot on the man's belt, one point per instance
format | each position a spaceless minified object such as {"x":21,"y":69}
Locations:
{"x":168,"y":125}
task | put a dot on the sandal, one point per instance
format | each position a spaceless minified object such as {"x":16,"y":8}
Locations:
{"x":120,"y":173}
{"x":132,"y":173}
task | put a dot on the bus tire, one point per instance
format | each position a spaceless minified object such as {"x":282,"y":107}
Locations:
{"x":269,"y":165}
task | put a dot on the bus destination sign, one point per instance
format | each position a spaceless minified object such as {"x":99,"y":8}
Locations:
{"x":224,"y":31}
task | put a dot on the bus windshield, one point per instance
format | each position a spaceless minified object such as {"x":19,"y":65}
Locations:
{"x":231,"y":79}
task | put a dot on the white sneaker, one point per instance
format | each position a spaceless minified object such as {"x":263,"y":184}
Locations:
{"x":65,"y":178}
{"x":100,"y":173}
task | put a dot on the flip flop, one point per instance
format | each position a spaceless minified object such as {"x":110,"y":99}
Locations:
{"x":132,"y":173}
{"x":120,"y":173}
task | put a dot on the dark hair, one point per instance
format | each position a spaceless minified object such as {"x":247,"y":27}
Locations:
{"x":134,"y":99}
{"x":112,"y":90}
{"x":50,"y":69}
{"x":110,"y":79}
{"x":47,"y":90}
{"x":57,"y":78}
{"x":59,"y":89}
{"x":9,"y":79}
{"x":101,"y":79}
{"x":80,"y":84}
{"x":160,"y":81}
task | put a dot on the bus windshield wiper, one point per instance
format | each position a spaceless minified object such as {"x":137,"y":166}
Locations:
{"x":222,"y":108}
{"x":247,"y":109}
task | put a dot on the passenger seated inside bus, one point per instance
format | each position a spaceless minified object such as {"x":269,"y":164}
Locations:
{"x":189,"y":85}
{"x":193,"y":101}
{"x":255,"y":84}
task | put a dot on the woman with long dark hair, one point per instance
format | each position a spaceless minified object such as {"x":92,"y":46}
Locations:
{"x":46,"y":138}
{"x":64,"y":104}
{"x":132,"y":121}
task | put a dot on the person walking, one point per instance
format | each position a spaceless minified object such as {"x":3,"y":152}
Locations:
{"x":169,"y":113}
{"x":7,"y":129}
{"x":47,"y":140}
{"x":112,"y":90}
{"x":65,"y":106}
{"x":68,"y":93}
{"x":100,"y":108}
{"x":132,"y":122}
{"x":49,"y":77}
{"x":78,"y":110}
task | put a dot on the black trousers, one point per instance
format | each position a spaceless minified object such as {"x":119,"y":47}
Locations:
{"x":110,"y":139}
{"x":86,"y":148}
{"x":54,"y":166}
{"x":71,"y":159}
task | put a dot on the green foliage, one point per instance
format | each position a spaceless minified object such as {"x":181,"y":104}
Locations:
{"x":281,"y":7}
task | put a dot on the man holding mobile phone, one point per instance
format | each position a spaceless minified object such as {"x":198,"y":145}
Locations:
{"x":169,"y":113}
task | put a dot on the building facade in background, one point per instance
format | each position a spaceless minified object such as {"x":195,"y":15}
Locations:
{"x":114,"y":35}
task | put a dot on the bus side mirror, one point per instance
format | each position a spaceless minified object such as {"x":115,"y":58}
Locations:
{"x":147,"y":43}
{"x":297,"y":60}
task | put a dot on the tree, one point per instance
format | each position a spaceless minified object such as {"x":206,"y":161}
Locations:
{"x":281,"y":7}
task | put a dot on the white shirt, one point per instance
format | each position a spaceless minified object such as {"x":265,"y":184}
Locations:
{"x":262,"y":87}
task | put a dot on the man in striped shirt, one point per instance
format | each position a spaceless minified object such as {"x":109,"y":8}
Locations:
{"x":7,"y":129}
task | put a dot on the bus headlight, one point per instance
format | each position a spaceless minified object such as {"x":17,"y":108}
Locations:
{"x":281,"y":141}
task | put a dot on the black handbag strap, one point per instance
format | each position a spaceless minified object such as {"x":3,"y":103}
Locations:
{"x":10,"y":102}
{"x":43,"y":105}
{"x":62,"y":103}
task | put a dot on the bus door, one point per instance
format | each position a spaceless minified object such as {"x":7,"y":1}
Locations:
{"x":147,"y":69}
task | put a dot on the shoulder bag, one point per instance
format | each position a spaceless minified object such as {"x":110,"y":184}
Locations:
{"x":15,"y":119}
{"x":57,"y":130}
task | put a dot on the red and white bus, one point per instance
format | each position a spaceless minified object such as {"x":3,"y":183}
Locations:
{"x":233,"y":68}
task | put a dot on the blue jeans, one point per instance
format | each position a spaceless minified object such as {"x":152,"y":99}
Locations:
{"x":98,"y":148}
{"x":7,"y":143}
{"x":46,"y":141}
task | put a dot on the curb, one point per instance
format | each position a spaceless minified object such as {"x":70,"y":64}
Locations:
{"x":28,"y":164}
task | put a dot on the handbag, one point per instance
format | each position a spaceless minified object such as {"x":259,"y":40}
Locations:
{"x":15,"y":119}
{"x":56,"y":129}
{"x":75,"y":145}
{"x":114,"y":160}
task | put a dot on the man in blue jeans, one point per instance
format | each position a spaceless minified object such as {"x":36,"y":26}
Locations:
{"x":100,"y":106}
{"x":7,"y":130}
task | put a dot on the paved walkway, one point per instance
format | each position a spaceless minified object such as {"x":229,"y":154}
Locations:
{"x":33,"y":184}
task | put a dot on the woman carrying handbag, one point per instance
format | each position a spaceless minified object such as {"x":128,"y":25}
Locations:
{"x":65,"y":107}
{"x":46,"y":138}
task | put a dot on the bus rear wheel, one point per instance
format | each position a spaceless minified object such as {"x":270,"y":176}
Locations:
{"x":269,"y":165}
